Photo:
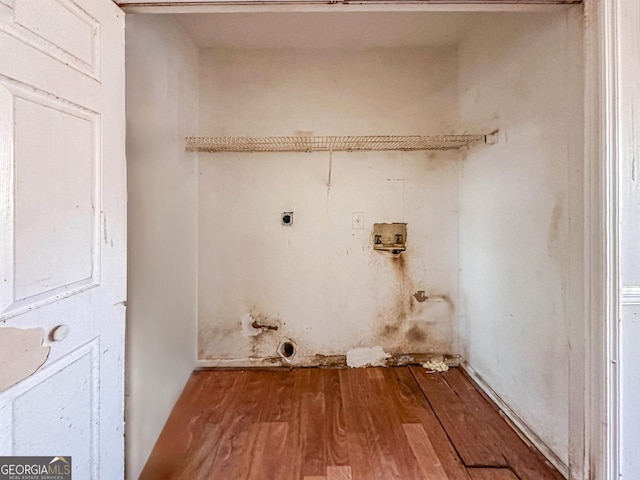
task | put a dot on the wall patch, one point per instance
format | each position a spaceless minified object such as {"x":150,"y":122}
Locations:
{"x":367,"y":357}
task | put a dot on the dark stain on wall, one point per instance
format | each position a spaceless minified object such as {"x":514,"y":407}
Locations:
{"x":405,"y":321}
{"x":329,"y":361}
{"x":258,"y":325}
{"x":390,"y":330}
{"x":416,"y":334}
{"x":392,"y":318}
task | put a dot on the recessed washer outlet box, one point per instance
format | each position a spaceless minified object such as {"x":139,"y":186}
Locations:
{"x":389,"y":237}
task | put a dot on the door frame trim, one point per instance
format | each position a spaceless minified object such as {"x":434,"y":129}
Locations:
{"x":286,"y":6}
{"x":602,"y":257}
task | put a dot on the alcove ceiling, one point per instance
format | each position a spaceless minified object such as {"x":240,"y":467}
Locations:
{"x":328,"y":29}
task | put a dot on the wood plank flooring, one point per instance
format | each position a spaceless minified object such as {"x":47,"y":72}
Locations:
{"x":339,"y":424}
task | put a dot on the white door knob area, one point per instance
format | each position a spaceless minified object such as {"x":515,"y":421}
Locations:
{"x":59,"y":333}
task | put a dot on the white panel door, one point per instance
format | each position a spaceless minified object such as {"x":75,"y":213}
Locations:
{"x":62,"y":232}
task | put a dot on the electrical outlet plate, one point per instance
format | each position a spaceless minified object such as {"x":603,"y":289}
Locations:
{"x":357,"y":220}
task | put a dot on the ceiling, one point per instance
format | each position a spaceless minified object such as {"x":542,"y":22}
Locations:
{"x":328,"y":30}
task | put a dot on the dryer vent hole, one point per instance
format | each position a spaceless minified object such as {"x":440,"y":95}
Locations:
{"x":287,"y":349}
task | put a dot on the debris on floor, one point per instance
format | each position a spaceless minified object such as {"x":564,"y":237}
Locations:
{"x":367,"y":357}
{"x":433,"y":366}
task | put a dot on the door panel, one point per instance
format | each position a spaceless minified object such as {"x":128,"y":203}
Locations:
{"x":63,"y":228}
{"x":73,"y":39}
{"x":59,"y":254}
{"x":64,"y":143}
{"x":68,"y":413}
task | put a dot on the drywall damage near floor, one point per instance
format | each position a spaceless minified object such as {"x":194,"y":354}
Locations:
{"x":367,"y":357}
{"x":21,"y":354}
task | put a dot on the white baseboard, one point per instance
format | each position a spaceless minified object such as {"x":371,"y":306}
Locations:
{"x":338,"y":361}
{"x":521,"y":428}
{"x":239,"y":363}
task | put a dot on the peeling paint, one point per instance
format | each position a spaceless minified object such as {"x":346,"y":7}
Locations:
{"x":367,"y":357}
{"x":248,"y":330}
{"x":21,"y":354}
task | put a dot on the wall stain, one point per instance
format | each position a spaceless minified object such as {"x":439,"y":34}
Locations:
{"x":209,"y":337}
{"x":257,"y":325}
{"x":104,"y":226}
{"x":436,"y":161}
{"x":409,"y":322}
{"x":554,"y":240}
{"x":554,"y":223}
{"x":264,"y":344}
{"x":395,"y":316}
{"x":329,"y":361}
{"x":416,"y":334}
{"x":390,"y":330}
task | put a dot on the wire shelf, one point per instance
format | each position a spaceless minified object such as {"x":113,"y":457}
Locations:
{"x":333,"y":143}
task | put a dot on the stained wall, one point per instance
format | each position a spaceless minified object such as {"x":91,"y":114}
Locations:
{"x":521,"y":216}
{"x":320,"y":281}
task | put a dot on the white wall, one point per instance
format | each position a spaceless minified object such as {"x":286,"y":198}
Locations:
{"x":320,"y":281}
{"x":162,"y":106}
{"x":520,"y":213}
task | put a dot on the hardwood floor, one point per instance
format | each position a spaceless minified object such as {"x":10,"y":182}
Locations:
{"x":339,"y":424}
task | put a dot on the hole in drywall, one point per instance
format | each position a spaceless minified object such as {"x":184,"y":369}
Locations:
{"x":288,"y":349}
